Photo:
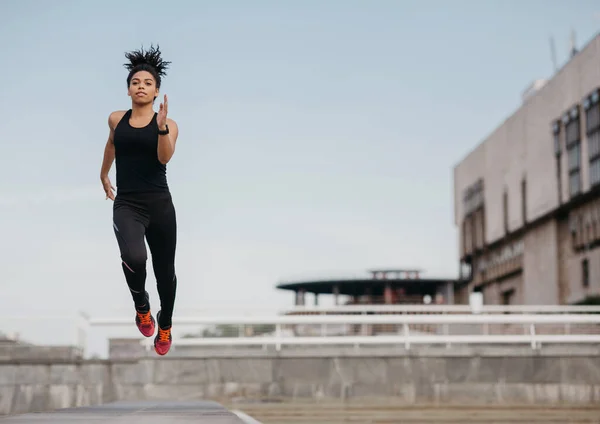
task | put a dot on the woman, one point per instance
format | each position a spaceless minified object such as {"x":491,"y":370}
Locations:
{"x":141,"y":142}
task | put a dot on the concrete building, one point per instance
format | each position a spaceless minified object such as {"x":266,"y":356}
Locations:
{"x":527,"y":199}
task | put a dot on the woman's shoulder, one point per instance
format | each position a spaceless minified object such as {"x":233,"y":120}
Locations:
{"x":115,"y":117}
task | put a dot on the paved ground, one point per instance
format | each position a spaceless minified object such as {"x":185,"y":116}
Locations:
{"x":292,"y":413}
{"x":134,"y":413}
{"x":386,"y":414}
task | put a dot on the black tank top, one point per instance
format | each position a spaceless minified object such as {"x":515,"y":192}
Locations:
{"x":136,"y":158}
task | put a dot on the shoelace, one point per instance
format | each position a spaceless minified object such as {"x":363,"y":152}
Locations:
{"x":163,"y":335}
{"x":145,"y":319}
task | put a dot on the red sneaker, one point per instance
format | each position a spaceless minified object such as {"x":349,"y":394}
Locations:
{"x":162,"y":341}
{"x":145,"y":323}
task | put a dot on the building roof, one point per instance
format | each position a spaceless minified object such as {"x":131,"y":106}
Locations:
{"x":376,"y":283}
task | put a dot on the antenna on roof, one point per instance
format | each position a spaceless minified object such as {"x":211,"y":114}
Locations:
{"x":573,"y":44}
{"x":553,"y":54}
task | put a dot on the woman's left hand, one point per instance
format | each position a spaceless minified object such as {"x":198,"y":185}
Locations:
{"x":161,"y":118}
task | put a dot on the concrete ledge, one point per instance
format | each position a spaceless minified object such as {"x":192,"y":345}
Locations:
{"x":387,"y":351}
{"x":333,"y":351}
{"x":554,"y":377}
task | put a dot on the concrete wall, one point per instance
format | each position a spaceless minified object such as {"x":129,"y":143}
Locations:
{"x":9,"y":351}
{"x":522,"y":146}
{"x":540,"y":265}
{"x":492,"y":293}
{"x":462,"y":375}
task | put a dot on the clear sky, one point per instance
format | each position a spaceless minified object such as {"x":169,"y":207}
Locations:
{"x":316,"y":137}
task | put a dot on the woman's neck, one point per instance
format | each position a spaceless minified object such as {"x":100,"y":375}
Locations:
{"x":138,"y":111}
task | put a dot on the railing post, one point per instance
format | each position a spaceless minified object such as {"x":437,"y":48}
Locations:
{"x":532,"y":333}
{"x":446,"y":333}
{"x":406,"y":336}
{"x":81,"y":332}
{"x":278,"y":337}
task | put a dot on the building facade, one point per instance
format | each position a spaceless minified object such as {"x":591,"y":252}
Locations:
{"x":527,"y":199}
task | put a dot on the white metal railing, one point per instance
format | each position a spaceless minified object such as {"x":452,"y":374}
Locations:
{"x":447,"y":309}
{"x":405,"y":330}
{"x":350,"y":325}
{"x":384,"y":309}
{"x":372,"y":319}
{"x":405,"y":340}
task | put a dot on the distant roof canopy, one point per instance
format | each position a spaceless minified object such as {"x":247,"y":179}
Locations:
{"x":398,"y":273}
{"x":407,"y":279}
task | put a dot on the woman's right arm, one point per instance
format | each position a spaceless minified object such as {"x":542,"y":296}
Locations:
{"x":109,"y":157}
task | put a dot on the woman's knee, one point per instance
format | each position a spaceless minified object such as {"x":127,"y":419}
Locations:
{"x":134,"y":260}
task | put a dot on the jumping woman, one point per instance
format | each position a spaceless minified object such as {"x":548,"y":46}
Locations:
{"x":141,"y":142}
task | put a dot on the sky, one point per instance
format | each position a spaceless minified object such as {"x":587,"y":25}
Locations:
{"x":317,"y":139}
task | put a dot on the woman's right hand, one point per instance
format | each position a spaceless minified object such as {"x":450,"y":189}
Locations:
{"x":108,"y":188}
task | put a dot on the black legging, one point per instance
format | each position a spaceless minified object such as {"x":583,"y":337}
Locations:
{"x":151,"y":215}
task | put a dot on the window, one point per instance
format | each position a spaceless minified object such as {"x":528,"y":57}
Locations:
{"x":556,"y":136}
{"x":595,"y":163}
{"x":572,"y":128}
{"x":574,"y":184}
{"x":508,"y":296}
{"x":592,"y":129}
{"x":465,"y":237}
{"x":473,"y":197}
{"x":473,"y":217}
{"x":505,"y":206}
{"x":556,"y":132}
{"x":585,"y":273}
{"x":573,"y":229}
{"x":572,"y":123}
{"x":574,"y":160}
{"x":524,"y":200}
{"x":466,"y":271}
{"x":594,"y":144}
{"x":592,"y":112}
